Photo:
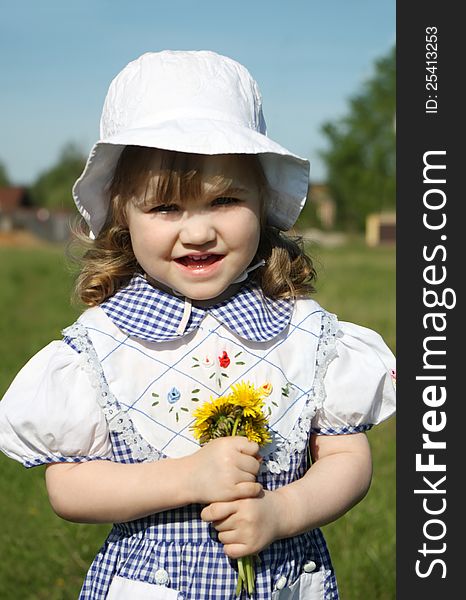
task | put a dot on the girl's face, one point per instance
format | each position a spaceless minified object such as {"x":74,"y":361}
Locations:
{"x":198,"y":247}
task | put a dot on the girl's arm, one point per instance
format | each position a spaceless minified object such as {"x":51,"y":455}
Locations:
{"x":338,"y":479}
{"x":102,"y":491}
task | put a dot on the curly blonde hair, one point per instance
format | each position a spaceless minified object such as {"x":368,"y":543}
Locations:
{"x":108,"y":262}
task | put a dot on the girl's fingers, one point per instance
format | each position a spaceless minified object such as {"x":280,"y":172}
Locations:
{"x":230,"y":536}
{"x":247,"y":447}
{"x":244,"y":476}
{"x":218,"y":511}
{"x":248,"y":490}
{"x":227,"y":524}
{"x":249,"y":464}
{"x":236,"y":550}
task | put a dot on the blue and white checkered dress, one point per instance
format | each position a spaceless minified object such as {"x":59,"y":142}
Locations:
{"x":178,"y":543}
{"x":122,"y":386}
{"x":175,"y":549}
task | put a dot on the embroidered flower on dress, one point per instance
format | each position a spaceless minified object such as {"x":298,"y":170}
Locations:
{"x":224,"y":360}
{"x":266,"y":389}
{"x":207,"y":362}
{"x":393,"y":375}
{"x":173,"y":395}
{"x":219,"y":374}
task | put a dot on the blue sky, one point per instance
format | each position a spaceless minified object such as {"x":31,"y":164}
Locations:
{"x":57,"y":60}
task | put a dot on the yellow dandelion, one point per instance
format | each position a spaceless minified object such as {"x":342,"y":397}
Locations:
{"x":210,"y":409}
{"x":245,"y":393}
{"x":246,"y":396}
{"x":211,"y":418}
{"x":256,"y":431}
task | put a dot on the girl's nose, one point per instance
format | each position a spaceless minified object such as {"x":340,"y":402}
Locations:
{"x":197,"y":230}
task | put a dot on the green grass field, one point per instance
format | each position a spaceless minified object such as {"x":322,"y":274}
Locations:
{"x":45,"y":558}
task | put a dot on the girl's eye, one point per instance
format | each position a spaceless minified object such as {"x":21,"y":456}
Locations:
{"x":164,"y":208}
{"x":222,"y":200}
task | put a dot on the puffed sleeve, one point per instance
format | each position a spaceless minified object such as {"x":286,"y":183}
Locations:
{"x":359,"y":383}
{"x":50,"y":412}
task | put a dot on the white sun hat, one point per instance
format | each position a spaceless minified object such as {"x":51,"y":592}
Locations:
{"x":189,"y":101}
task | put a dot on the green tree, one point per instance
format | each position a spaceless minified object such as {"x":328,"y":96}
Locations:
{"x":4,"y":179}
{"x":360,"y":157}
{"x":52,"y":188}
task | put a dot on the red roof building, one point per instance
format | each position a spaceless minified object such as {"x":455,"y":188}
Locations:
{"x":13,"y":198}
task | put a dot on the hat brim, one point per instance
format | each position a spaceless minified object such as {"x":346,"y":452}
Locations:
{"x":287,"y":174}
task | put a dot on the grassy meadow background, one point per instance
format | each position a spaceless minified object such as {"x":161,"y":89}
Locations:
{"x":45,"y":558}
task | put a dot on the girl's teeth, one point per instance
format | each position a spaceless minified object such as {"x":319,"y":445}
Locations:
{"x":195,"y":260}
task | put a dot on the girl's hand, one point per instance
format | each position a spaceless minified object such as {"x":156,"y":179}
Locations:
{"x":224,"y":469}
{"x":338,"y":479}
{"x":247,"y":526}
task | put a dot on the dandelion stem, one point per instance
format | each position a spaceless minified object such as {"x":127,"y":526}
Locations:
{"x":250,"y":575}
{"x":239,"y":586}
{"x":235,"y":425}
{"x":241,"y":574}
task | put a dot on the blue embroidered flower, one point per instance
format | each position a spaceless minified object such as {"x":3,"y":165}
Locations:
{"x":173,"y":395}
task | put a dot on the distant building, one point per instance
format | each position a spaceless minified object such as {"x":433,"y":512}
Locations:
{"x":18,"y":213}
{"x":381,"y":228}
{"x":12,"y":199}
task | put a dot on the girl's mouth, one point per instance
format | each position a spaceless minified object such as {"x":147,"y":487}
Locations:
{"x":198,"y":261}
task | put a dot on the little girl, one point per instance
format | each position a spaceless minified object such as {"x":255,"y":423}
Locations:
{"x":192,"y":288}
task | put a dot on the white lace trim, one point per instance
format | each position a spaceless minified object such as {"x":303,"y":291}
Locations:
{"x":326,"y":352}
{"x":280,"y":459}
{"x":118,"y":420}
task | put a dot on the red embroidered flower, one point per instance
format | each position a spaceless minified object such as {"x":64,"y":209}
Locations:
{"x":224,"y":360}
